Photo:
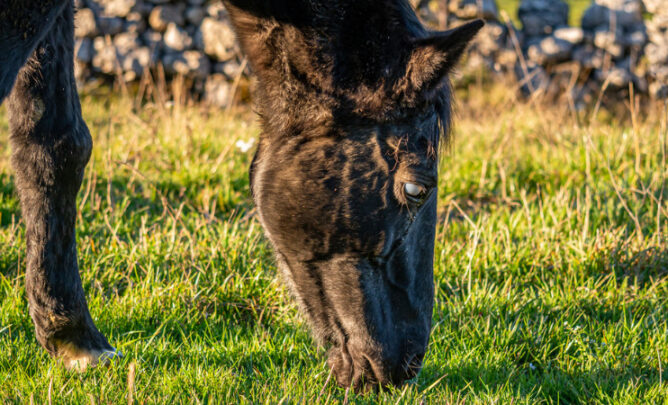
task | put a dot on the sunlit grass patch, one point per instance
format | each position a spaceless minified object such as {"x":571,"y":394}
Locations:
{"x":551,"y":265}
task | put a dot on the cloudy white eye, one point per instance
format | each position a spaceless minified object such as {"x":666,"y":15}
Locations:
{"x":414,"y":190}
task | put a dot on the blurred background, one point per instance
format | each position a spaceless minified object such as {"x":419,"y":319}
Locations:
{"x":580,"y":51}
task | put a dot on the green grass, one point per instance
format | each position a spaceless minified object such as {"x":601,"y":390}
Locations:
{"x":576,"y":9}
{"x":551,"y":265}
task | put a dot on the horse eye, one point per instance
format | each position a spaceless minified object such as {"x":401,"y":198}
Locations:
{"x":414,"y":190}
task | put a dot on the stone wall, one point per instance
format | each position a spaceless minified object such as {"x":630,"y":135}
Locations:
{"x":127,"y":38}
{"x":619,"y":42}
{"x":614,"y":46}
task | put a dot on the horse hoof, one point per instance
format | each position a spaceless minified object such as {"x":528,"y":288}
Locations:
{"x":76,"y":359}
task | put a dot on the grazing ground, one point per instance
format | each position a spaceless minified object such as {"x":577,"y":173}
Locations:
{"x":576,"y":9}
{"x":551,"y":264}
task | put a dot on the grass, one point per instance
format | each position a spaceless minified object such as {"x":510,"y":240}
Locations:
{"x":551,"y":265}
{"x":576,"y":9}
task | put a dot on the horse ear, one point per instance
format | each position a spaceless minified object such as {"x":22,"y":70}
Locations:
{"x":252,"y":20}
{"x":433,"y":57}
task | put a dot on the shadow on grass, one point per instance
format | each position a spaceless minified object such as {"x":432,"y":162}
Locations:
{"x":174,"y":189}
{"x":535,"y":357}
{"x":549,"y":383}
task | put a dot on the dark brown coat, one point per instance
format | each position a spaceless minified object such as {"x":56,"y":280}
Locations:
{"x":354,"y":97}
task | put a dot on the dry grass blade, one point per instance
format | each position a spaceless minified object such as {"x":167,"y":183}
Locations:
{"x":131,"y":382}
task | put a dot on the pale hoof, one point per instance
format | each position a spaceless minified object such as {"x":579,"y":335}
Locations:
{"x":79,"y":360}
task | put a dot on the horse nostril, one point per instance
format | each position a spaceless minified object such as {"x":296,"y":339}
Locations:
{"x":355,"y":369}
{"x":363,"y":372}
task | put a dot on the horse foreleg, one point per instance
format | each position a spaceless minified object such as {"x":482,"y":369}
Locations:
{"x":50,"y":148}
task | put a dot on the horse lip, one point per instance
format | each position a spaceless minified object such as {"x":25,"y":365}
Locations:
{"x":363,"y":371}
{"x":378,"y":377}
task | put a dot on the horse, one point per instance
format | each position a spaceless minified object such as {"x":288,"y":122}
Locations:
{"x":354,"y":99}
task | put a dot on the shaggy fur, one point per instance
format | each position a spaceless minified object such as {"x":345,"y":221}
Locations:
{"x":353,"y":96}
{"x":50,"y":148}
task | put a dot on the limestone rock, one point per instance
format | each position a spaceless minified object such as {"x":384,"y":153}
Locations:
{"x":161,"y":16}
{"x":572,"y":35}
{"x":489,"y":39}
{"x":659,"y":73}
{"x":656,"y":54}
{"x":189,"y":63}
{"x":177,"y":38}
{"x":135,"y":22}
{"x":104,"y":59}
{"x":217,"y":39}
{"x":658,"y":90}
{"x":609,"y":14}
{"x":534,"y":79}
{"x":589,"y":57}
{"x":506,"y":58}
{"x":117,"y":8}
{"x":231,"y":69}
{"x":656,"y":7}
{"x":657,"y":30}
{"x":550,"y":50}
{"x":135,"y":62}
{"x":126,"y":42}
{"x":152,"y":39}
{"x":217,"y":90}
{"x":542,"y":17}
{"x":85,"y":24}
{"x":616,"y":77}
{"x":110,"y":25}
{"x":216,"y":10}
{"x":195,"y":15}
{"x":468,"y":9}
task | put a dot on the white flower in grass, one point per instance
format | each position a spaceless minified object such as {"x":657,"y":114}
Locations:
{"x":245,"y":146}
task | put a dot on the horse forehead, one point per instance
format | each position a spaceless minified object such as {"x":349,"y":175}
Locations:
{"x":368,"y":151}
{"x":358,"y":157}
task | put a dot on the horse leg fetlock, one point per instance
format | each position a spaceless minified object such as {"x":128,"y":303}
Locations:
{"x":51,"y":146}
